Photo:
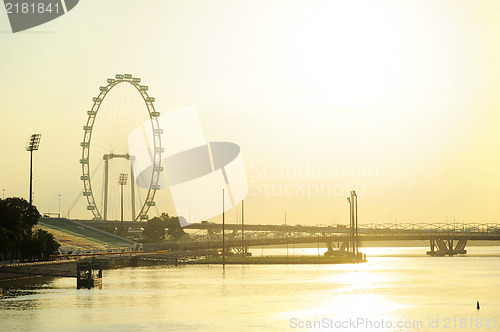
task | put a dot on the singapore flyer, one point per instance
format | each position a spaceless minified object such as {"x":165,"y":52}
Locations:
{"x":123,"y":105}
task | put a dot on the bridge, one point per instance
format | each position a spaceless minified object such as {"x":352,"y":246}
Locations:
{"x":444,"y":238}
{"x":401,"y":227}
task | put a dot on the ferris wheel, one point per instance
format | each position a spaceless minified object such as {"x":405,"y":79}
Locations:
{"x":109,"y":167}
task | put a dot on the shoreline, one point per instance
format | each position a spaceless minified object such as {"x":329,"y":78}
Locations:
{"x":17,"y":274}
{"x":22,"y":272}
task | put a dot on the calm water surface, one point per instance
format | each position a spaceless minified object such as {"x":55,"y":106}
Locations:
{"x":396,"y":286}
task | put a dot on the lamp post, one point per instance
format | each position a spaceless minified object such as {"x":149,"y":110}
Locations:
{"x":32,"y":145}
{"x":243,"y":250}
{"x":353,"y":218}
{"x":122,"y":181}
{"x":350,"y":225}
{"x":223,"y":232}
{"x":59,"y":216}
{"x":355,"y":222}
{"x":287,"y":235}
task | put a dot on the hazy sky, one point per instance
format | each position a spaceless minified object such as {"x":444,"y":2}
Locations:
{"x":397,"y":99}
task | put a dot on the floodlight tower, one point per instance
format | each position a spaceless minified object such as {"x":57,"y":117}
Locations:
{"x":122,"y":181}
{"x":32,"y":145}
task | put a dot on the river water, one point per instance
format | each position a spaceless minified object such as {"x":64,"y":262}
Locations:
{"x":398,"y":289}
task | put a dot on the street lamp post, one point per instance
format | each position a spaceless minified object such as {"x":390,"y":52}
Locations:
{"x":223,"y":232}
{"x":243,"y":250}
{"x":32,"y":145}
{"x":350,"y":244}
{"x":122,"y":181}
{"x":353,"y":219}
{"x":355,"y":222}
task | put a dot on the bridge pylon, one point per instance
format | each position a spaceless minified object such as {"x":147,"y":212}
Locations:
{"x":340,"y":250}
{"x":442,"y":247}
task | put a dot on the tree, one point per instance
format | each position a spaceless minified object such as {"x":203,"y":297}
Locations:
{"x":45,"y":244}
{"x":155,"y":229}
{"x":17,"y":218}
{"x":17,"y":215}
{"x":174,"y":228}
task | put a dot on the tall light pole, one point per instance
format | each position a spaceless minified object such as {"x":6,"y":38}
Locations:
{"x":223,"y":232}
{"x":350,"y":225}
{"x":355,"y":222}
{"x":243,"y":250}
{"x":287,"y":235}
{"x":122,"y":181}
{"x":353,"y":217}
{"x":59,"y":206}
{"x":32,"y":145}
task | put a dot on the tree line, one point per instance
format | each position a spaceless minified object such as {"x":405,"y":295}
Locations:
{"x":17,"y":238}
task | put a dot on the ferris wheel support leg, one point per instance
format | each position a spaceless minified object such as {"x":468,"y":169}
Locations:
{"x":132,"y":187}
{"x":106,"y":168}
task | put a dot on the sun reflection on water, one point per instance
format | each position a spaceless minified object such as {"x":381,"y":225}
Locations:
{"x":360,"y":294}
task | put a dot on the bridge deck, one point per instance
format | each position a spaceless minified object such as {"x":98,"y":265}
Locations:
{"x":323,"y":239}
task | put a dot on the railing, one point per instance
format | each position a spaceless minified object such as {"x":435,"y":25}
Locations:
{"x":385,"y":229}
{"x":451,"y":227}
